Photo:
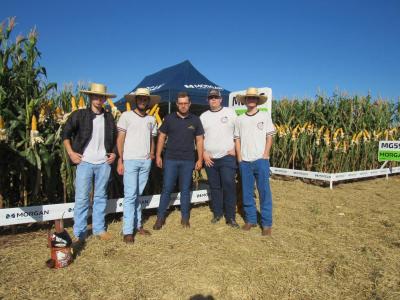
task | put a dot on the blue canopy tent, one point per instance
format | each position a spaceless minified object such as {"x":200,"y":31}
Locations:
{"x":181,"y":77}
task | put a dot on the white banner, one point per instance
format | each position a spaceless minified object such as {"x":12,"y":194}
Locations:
{"x":334,"y":176}
{"x":239,"y":108}
{"x":302,"y":174}
{"x":359,"y":174}
{"x":31,"y":214}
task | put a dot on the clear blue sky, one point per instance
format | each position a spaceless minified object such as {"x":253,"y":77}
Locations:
{"x":294,"y":47}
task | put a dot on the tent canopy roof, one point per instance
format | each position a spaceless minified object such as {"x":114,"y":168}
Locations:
{"x":178,"y":78}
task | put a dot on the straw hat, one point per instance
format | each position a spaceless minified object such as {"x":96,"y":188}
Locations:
{"x":98,"y":89}
{"x":251,"y":92}
{"x":154,"y":99}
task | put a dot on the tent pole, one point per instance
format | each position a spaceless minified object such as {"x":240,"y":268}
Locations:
{"x":169,"y":101}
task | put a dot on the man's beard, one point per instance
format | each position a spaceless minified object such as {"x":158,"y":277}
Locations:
{"x":142,"y":110}
{"x":183,"y":113}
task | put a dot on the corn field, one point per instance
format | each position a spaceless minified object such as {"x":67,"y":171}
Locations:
{"x":326,"y":134}
{"x":337,"y":134}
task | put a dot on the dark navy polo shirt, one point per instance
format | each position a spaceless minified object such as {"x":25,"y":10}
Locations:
{"x":181,"y":134}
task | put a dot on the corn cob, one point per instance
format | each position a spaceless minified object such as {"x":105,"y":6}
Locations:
{"x":73,"y":104}
{"x":158,"y":119}
{"x":3,"y":133}
{"x":111,"y":103}
{"x":81,"y":103}
{"x":153,"y":109}
{"x":34,"y":123}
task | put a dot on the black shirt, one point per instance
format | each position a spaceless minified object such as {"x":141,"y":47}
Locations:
{"x":181,"y":134}
{"x":79,"y":128}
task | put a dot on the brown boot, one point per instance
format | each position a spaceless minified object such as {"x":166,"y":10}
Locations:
{"x":185,"y":223}
{"x":159,"y":224}
{"x":143,"y":231}
{"x":129,"y":238}
{"x":248,"y":226}
{"x":267,"y":231}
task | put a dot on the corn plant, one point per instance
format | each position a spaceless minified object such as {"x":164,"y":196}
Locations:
{"x":334,"y":134}
{"x":23,"y":90}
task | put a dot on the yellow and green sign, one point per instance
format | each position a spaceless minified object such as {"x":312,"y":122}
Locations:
{"x":389,"y":151}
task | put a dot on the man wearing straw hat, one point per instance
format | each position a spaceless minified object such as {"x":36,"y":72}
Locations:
{"x":183,"y":130}
{"x":253,"y":140}
{"x":135,"y":142}
{"x":219,"y":158}
{"x":89,"y":138}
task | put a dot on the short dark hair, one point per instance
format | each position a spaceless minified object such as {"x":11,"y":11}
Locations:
{"x":182,"y":95}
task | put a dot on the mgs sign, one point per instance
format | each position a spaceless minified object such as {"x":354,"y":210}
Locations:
{"x":389,"y":151}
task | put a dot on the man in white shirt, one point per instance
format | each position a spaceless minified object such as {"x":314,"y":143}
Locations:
{"x":253,"y":140}
{"x":89,"y":137}
{"x":219,"y":158}
{"x":135,"y":142}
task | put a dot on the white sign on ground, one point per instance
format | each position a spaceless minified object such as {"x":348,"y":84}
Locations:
{"x":240,"y":109}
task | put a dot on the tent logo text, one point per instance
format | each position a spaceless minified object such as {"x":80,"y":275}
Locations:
{"x":202,"y":86}
{"x":155,"y":87}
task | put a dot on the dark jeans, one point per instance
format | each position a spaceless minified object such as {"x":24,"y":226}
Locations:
{"x":221,"y":178}
{"x":257,"y":171}
{"x":172,"y":170}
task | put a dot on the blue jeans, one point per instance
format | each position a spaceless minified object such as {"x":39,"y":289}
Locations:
{"x":136,"y":173}
{"x":85,"y":172}
{"x":259,"y":171}
{"x":221,"y":178}
{"x":172,"y":170}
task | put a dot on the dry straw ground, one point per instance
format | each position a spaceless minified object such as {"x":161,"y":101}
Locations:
{"x":340,"y":244}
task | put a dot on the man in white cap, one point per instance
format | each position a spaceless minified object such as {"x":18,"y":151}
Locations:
{"x":89,"y":137}
{"x":136,"y":147}
{"x":219,"y":158}
{"x":253,"y":139}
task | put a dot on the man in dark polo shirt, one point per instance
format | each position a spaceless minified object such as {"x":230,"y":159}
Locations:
{"x":183,"y":130}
